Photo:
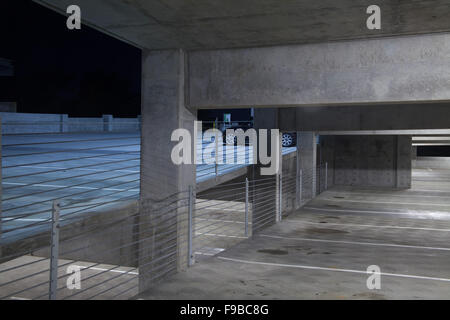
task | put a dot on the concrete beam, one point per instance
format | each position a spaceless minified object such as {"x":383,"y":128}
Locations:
{"x":389,"y":70}
{"x":425,"y":132}
{"x":356,"y":118}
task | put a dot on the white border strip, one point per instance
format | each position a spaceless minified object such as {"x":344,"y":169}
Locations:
{"x":332,"y":269}
{"x":357,"y":243}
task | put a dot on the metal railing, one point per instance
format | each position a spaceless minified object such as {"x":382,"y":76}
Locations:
{"x":74,"y":226}
{"x":143,"y":242}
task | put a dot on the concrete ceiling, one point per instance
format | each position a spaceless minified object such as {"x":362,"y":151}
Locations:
{"x":212,"y":24}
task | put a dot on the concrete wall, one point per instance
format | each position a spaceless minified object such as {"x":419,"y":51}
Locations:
{"x":16,"y":123}
{"x":376,"y":161}
{"x":13,"y":123}
{"x":388,"y":70}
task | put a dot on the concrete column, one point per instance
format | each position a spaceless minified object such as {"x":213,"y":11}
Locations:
{"x":64,"y":126}
{"x":298,"y":173}
{"x":413,"y":156}
{"x":414,"y":152}
{"x":404,"y":163}
{"x":327,"y":150}
{"x":108,"y":123}
{"x":163,"y":111}
{"x":279,"y":184}
{"x":307,"y":148}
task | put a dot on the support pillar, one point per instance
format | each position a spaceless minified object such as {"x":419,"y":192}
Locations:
{"x":64,"y":123}
{"x":279,"y":184}
{"x":163,"y":110}
{"x":307,"y":152}
{"x":107,"y":123}
{"x":404,"y":162}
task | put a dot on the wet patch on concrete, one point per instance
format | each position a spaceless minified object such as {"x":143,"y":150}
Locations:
{"x":333,"y":206}
{"x":370,"y":295}
{"x":315,"y":252}
{"x":324,"y":231}
{"x":306,"y":250}
{"x":276,"y":252}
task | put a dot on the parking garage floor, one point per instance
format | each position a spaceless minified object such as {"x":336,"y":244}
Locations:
{"x":323,"y":250}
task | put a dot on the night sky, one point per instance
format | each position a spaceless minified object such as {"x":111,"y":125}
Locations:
{"x":79,"y":72}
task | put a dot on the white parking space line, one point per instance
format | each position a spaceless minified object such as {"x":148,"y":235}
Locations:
{"x":26,"y":219}
{"x":435,"y":214}
{"x":390,"y":195}
{"x":69,"y":187}
{"x":214,"y":209}
{"x":218,"y":220}
{"x":332,"y":269}
{"x":357,"y":243}
{"x":429,"y":190}
{"x":218,"y":235}
{"x":112,"y":159}
{"x":80,"y":169}
{"x":366,"y":225}
{"x":205,"y":254}
{"x":389,"y":202}
{"x":114,"y":271}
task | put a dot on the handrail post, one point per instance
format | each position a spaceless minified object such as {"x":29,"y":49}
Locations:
{"x":53,"y":284}
{"x":190,"y":227}
{"x":280,"y":199}
{"x":246,"y":207}
{"x":301,"y":187}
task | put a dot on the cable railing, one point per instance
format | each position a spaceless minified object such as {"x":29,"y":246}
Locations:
{"x":140,"y":243}
{"x":74,"y":225}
